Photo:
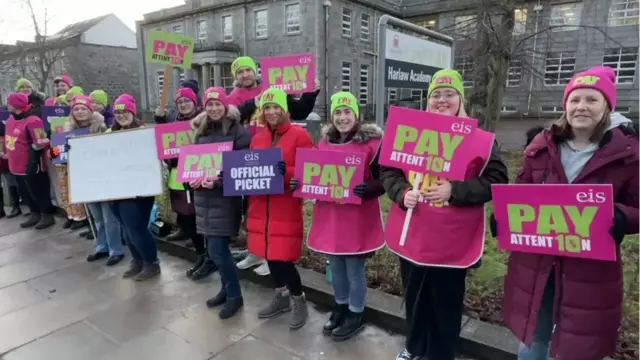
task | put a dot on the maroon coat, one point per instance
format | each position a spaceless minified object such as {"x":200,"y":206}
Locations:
{"x":588,"y":293}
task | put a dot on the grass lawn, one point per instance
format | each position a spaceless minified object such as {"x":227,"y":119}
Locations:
{"x":484,"y":285}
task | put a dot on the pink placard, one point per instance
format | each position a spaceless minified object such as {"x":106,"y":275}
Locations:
{"x":563,"y":220}
{"x":329,"y":175}
{"x":295,"y":74}
{"x":200,"y":162}
{"x":171,"y":137}
{"x":427,"y":142}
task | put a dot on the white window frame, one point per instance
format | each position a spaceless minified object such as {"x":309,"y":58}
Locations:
{"x":623,"y":109}
{"x":347,"y":22}
{"x":624,"y":12}
{"x":392,"y":94}
{"x":520,"y":21}
{"x":619,"y":60}
{"x":363,"y":93}
{"x":201,"y":35}
{"x":508,"y":109}
{"x":365,"y":27}
{"x":561,"y":74}
{"x":175,"y":27}
{"x":550,"y":109}
{"x":160,"y":82}
{"x":227,"y":34}
{"x":427,"y":24}
{"x":291,"y":24}
{"x":261,"y":33}
{"x":226,"y":81}
{"x":345,"y":76}
{"x":558,"y":16}
{"x":464,"y":65}
{"x":465,"y":25}
{"x":514,"y":74}
{"x":416,"y":94}
{"x":183,"y":75}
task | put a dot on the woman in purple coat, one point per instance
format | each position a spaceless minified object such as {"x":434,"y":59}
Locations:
{"x":563,"y":307}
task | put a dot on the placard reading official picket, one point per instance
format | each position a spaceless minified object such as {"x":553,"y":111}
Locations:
{"x":54,"y":118}
{"x":252,"y":172}
{"x":562,"y":220}
{"x":328,"y":175}
{"x":427,"y":142}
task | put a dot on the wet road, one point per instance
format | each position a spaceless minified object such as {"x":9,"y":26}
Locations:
{"x":55,"y":305}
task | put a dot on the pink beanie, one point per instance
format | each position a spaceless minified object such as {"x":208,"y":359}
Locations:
{"x":18,"y":101}
{"x":64,"y":78}
{"x":601,"y":78}
{"x":82,"y":100}
{"x":185,"y":93}
{"x":215,"y":93}
{"x":125,"y":102}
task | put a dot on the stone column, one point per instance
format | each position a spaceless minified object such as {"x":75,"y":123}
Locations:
{"x":206,"y":75}
{"x":217,"y":75}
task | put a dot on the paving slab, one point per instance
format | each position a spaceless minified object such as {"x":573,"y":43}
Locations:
{"x":55,"y":305}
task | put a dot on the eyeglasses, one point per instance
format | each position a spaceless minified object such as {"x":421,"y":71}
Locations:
{"x":183,"y":101}
{"x":447,"y":96}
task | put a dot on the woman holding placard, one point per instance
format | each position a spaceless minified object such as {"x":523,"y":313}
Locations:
{"x":133,"y":214}
{"x":218,"y":217}
{"x":566,"y":307}
{"x":446,"y":232}
{"x":348,"y":233}
{"x":274,"y":222}
{"x":81,"y":116}
{"x":181,"y":196}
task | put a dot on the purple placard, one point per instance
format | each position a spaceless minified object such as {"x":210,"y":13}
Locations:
{"x":252,"y":172}
{"x":54,"y":118}
{"x":59,"y":139}
{"x":4,"y":116}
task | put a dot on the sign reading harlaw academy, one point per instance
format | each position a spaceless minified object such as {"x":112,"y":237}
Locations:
{"x":410,"y":61}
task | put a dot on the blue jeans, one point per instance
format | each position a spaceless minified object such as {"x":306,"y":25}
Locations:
{"x":109,"y":236}
{"x":349,"y":281}
{"x":218,"y":247}
{"x":544,"y":327}
{"x":134,"y":214}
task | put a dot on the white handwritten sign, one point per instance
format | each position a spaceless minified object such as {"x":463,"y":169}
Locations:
{"x":114,"y":166}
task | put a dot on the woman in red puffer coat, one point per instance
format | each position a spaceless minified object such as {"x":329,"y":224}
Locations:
{"x":563,"y":307}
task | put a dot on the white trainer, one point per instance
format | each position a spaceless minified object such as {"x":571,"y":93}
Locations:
{"x":250,"y":261}
{"x":262,"y":270}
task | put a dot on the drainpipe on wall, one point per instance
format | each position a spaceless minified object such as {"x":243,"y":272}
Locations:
{"x":244,"y":48}
{"x":375,"y":58}
{"x":537,"y":8}
{"x":327,"y":90}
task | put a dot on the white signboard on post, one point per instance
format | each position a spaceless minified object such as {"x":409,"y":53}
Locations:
{"x":114,"y":166}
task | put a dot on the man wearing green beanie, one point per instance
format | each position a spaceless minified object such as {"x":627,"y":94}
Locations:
{"x":100,"y":102}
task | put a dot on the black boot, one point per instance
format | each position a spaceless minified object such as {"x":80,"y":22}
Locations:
{"x":2,"y":213}
{"x":84,"y":234}
{"x":67,"y":224}
{"x":33,"y":219}
{"x":207,"y":268}
{"x":230,"y":308}
{"x":178,"y":235}
{"x":15,"y":212}
{"x":336,"y":319}
{"x":79,"y":224}
{"x":196,"y":265}
{"x":352,"y":325}
{"x":217,"y":300}
{"x":46,"y":220}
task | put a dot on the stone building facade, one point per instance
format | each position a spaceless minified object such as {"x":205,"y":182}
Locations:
{"x":343,"y":35}
{"x":99,"y":53}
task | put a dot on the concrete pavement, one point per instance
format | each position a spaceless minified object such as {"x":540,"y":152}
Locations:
{"x":55,"y":305}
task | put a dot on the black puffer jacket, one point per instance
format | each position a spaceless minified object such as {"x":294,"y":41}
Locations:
{"x":217,"y":215}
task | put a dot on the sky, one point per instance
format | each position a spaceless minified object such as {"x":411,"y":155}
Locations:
{"x":16,"y":24}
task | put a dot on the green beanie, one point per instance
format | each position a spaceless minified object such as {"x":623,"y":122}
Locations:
{"x":447,"y":78}
{"x":75,"y":91}
{"x":243,"y":61}
{"x":99,"y":97}
{"x":274,"y":96}
{"x":22,"y":82}
{"x":346,"y":99}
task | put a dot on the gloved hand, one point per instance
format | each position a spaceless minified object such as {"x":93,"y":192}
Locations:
{"x":293,"y":184}
{"x":65,"y":147}
{"x":54,"y":151}
{"x":282,"y":167}
{"x":219,"y":181}
{"x":619,"y":228}
{"x":493,"y":226}
{"x":361,"y":190}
